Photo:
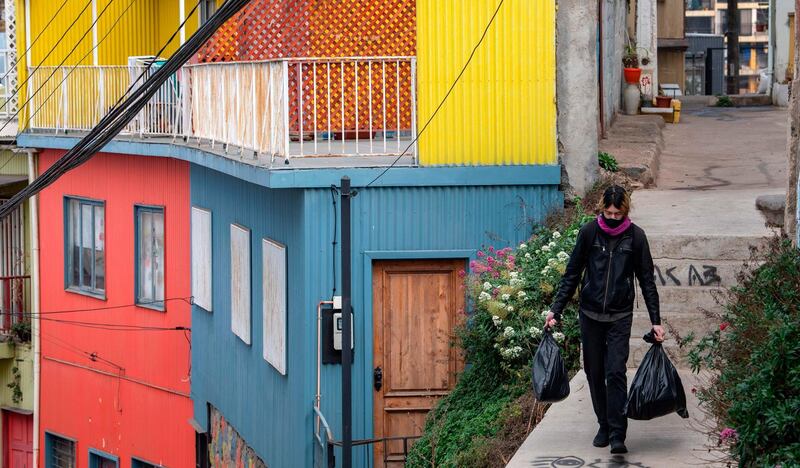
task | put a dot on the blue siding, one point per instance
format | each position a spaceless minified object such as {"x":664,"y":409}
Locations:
{"x":271,"y":412}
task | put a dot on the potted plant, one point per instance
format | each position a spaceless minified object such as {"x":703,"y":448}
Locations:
{"x":630,"y":62}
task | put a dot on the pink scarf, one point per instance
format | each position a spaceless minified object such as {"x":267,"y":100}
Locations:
{"x":626,"y":223}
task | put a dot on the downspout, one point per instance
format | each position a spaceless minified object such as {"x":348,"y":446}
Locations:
{"x":771,"y":46}
{"x":600,"y":70}
{"x":35,"y":323}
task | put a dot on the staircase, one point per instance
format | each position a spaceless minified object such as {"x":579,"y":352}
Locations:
{"x":692,"y":269}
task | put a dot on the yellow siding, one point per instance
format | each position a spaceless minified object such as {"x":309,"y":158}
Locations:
{"x":503,"y":109}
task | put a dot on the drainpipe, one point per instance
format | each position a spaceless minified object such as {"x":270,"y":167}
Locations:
{"x":35,"y":323}
{"x":771,"y":46}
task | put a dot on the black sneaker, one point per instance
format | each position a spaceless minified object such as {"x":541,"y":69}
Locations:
{"x":601,"y":439}
{"x":618,"y":446}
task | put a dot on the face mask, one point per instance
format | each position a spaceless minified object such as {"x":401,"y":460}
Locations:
{"x":613,"y":223}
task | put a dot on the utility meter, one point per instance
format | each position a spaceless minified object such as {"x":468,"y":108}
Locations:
{"x":338,"y":326}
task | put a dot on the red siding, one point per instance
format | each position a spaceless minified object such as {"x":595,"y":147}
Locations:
{"x":145,"y":412}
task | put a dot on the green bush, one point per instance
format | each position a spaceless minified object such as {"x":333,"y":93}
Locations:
{"x":724,"y":101}
{"x":607,"y":161}
{"x":509,"y":291}
{"x":754,"y":359}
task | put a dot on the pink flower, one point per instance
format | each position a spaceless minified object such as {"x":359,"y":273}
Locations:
{"x":728,"y":434}
{"x":512,"y":258}
{"x":723,"y":326}
{"x":491,"y":249}
{"x":495,"y":291}
{"x":481,"y":254}
{"x":694,"y":390}
{"x":462,"y":273}
{"x":490,"y":260}
{"x":495,"y":274}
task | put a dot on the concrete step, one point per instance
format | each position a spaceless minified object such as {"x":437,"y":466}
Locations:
{"x":703,"y":247}
{"x":682,"y":299}
{"x":684,"y":272}
{"x":683,"y":323}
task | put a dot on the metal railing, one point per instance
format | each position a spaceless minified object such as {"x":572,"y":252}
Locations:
{"x":7,"y":101}
{"x":14,"y":294}
{"x":284,"y":108}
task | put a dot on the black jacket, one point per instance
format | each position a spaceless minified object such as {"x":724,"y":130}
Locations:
{"x":607,"y":286}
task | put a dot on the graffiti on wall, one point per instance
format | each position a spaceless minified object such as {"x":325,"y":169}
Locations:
{"x":691,"y":275}
{"x":227,"y":448}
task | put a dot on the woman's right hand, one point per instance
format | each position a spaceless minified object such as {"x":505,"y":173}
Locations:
{"x":550,"y":320}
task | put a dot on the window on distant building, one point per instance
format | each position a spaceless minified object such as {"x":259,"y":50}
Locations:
{"x":150,"y":256}
{"x":85,"y":250}
{"x":136,"y":463}
{"x":207,"y":9}
{"x":59,"y":451}
{"x":700,"y":24}
{"x":240,"y":282}
{"x":98,"y":459}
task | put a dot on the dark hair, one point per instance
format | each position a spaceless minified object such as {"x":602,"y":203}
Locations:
{"x":617,"y":196}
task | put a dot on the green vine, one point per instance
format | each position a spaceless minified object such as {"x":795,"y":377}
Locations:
{"x":16,"y":386}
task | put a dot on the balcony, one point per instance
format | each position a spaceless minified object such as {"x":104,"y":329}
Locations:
{"x":14,"y":307}
{"x":256,"y":112}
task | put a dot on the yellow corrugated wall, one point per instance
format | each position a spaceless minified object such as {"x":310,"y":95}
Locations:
{"x":503,"y":110}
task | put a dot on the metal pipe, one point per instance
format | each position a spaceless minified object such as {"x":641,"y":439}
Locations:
{"x":347,"y":351}
{"x":318,"y":396}
{"x":36,"y":322}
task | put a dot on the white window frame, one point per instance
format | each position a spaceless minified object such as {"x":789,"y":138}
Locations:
{"x":273,"y":289}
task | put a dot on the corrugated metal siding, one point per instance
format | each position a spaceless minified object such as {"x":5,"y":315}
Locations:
{"x":13,"y":163}
{"x":503,"y":110}
{"x":273,"y":413}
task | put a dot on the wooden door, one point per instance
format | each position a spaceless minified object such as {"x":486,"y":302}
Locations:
{"x":18,"y":440}
{"x":416,"y":305}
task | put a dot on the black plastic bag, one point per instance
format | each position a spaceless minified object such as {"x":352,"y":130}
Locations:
{"x":657,"y":389}
{"x":550,"y":379}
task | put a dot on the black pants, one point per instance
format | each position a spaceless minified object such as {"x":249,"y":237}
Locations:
{"x":605,"y":355}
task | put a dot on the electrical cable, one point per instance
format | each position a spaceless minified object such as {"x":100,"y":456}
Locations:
{"x":446,"y":96}
{"x":187,"y":299}
{"x":35,"y":39}
{"x":113,"y":122}
{"x":334,"y":192}
{"x":47,"y":80}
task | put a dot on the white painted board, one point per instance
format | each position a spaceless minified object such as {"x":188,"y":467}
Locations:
{"x":240,"y":282}
{"x":274,"y":304}
{"x":201,"y":258}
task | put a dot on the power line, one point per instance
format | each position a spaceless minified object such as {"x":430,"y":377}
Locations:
{"x":446,"y":96}
{"x":74,"y":48}
{"x":188,"y":300}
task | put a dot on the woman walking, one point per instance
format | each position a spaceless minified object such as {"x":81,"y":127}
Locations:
{"x":609,"y":252}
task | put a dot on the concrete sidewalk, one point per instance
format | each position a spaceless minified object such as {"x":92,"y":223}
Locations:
{"x":564,"y":437}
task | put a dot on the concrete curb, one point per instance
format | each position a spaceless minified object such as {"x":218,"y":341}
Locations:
{"x":636,"y":141}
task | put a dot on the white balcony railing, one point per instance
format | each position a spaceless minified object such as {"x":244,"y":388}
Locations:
{"x":282,"y":108}
{"x":7,"y":101}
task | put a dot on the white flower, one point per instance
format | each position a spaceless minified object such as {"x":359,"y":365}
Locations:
{"x":484,"y":296}
{"x":523,"y":246}
{"x":552,"y":262}
{"x":556,"y":235}
{"x":563,"y":256}
{"x":538,"y":252}
{"x":528,"y":255}
{"x":508,"y":332}
{"x":575,"y":232}
{"x":513,"y":274}
{"x":487,"y":286}
{"x":514,"y":282}
{"x":558,"y":336}
{"x":510,"y":308}
{"x":522,"y":294}
{"x":505,"y":297}
{"x":545,"y":270}
{"x":546,"y":248}
{"x":551,"y":244}
{"x":496,"y":320}
{"x":544,"y":313}
{"x":535,"y":332}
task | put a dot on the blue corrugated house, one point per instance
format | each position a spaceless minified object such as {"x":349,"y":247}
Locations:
{"x":268,"y":140}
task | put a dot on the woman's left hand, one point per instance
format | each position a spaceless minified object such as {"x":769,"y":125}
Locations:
{"x":659,"y":332}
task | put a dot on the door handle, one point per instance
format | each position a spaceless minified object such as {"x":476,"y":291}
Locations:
{"x":377,"y":378}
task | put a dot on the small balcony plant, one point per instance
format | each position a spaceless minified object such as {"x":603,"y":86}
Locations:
{"x":630,"y":62}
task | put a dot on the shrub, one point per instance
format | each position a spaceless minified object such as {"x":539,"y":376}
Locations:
{"x":724,"y":101}
{"x":509,"y":291}
{"x":754,"y":359}
{"x":607,"y":162}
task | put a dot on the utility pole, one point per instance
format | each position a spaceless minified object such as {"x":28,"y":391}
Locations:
{"x":732,"y":34}
{"x":792,"y":215}
{"x":347,"y":350}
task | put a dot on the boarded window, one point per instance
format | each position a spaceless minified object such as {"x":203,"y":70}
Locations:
{"x":240,"y":282}
{"x":274,"y":304}
{"x":201,"y":257}
{"x":150,"y":257}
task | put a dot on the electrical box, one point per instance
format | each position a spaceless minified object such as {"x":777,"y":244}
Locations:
{"x":338,"y":327}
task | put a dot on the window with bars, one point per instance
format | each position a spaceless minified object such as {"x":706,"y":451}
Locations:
{"x":59,"y":451}
{"x":98,"y":459}
{"x":85,"y":246}
{"x":150,"y":257}
{"x":136,"y":463}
